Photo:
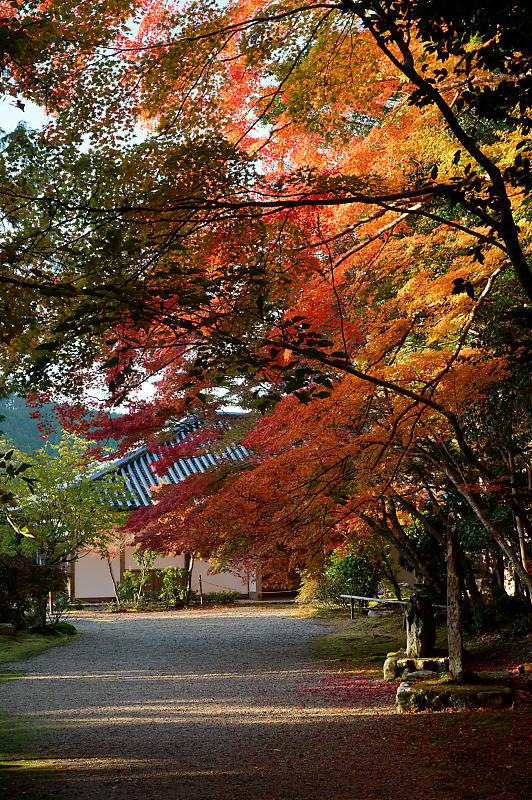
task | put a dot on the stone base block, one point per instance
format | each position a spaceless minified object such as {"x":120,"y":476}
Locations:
{"x":432,"y":664}
{"x":487,"y":691}
{"x":399,"y":664}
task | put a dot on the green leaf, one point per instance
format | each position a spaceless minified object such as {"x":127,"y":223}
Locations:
{"x":48,"y":346}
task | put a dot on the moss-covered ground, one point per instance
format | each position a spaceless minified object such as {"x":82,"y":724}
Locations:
{"x":25,"y":644}
{"x":24,"y":767}
{"x":363,"y":643}
{"x":21,"y":738}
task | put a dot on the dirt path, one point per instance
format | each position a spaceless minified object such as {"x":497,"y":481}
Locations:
{"x":224,"y":705}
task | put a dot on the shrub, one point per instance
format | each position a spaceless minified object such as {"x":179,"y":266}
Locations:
{"x":24,"y":589}
{"x":348,"y":574}
{"x":129,"y":589}
{"x":174,"y":588}
{"x":56,"y":629}
{"x":307,"y":589}
{"x":61,"y":606}
{"x":66,"y":628}
{"x":499,"y":611}
{"x":224,"y":598}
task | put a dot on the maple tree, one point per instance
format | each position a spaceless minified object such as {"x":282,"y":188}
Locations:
{"x":325,"y":217}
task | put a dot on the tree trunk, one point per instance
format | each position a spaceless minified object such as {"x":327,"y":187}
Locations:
{"x":465,"y":564}
{"x":469,"y":577}
{"x":395,"y":534}
{"x":109,"y":564}
{"x":189,"y":566}
{"x":454,"y":603}
{"x":388,"y":571}
{"x":41,"y":604}
{"x":518,"y":522}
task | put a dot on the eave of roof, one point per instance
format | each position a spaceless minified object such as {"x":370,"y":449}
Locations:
{"x":135,"y":467}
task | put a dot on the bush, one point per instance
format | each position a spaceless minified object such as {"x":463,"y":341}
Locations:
{"x":130,"y":588}
{"x":66,"y":628}
{"x":224,"y":598}
{"x":499,"y":611}
{"x":307,"y":590}
{"x":24,"y":588}
{"x":349,"y":574}
{"x":55,"y":629}
{"x":61,"y":606}
{"x":521,"y":625}
{"x":174,"y":588}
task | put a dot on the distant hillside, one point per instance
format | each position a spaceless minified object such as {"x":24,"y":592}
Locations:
{"x":17,"y":425}
{"x":21,"y":429}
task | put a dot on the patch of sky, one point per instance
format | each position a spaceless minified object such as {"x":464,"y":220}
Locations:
{"x":12,"y":114}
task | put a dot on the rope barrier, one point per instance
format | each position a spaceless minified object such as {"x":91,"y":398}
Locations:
{"x":219,"y":586}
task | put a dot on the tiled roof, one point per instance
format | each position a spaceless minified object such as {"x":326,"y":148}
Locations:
{"x":140,"y":477}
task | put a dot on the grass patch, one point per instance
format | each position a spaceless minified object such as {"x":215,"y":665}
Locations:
{"x":10,"y":674}
{"x":311,"y":611}
{"x":18,"y":736}
{"x":362,"y":643}
{"x":23,"y":769}
{"x":25,"y":645}
{"x":472,"y":682}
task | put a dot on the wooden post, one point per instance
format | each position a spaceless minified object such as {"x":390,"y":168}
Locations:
{"x":200,"y":591}
{"x":454,"y":603}
{"x":122,"y":562}
{"x":51,"y":604}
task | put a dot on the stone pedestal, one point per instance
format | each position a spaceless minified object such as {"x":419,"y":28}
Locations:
{"x":422,"y":691}
{"x":420,"y":627}
{"x":398,"y":665}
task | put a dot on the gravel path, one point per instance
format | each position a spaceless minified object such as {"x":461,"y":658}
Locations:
{"x":222,"y":704}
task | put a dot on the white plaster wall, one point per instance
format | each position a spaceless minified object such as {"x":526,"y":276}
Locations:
{"x":211,"y":583}
{"x":92,"y":577}
{"x":159,"y":563}
{"x":222,"y":581}
{"x":404,"y":576}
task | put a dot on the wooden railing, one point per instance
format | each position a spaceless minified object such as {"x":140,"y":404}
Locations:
{"x":353,"y":597}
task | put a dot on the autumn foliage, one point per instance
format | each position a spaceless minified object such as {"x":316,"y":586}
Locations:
{"x":316,"y":212}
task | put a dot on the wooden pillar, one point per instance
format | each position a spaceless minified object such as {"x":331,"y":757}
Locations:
{"x":122,"y":558}
{"x":454,"y":603}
